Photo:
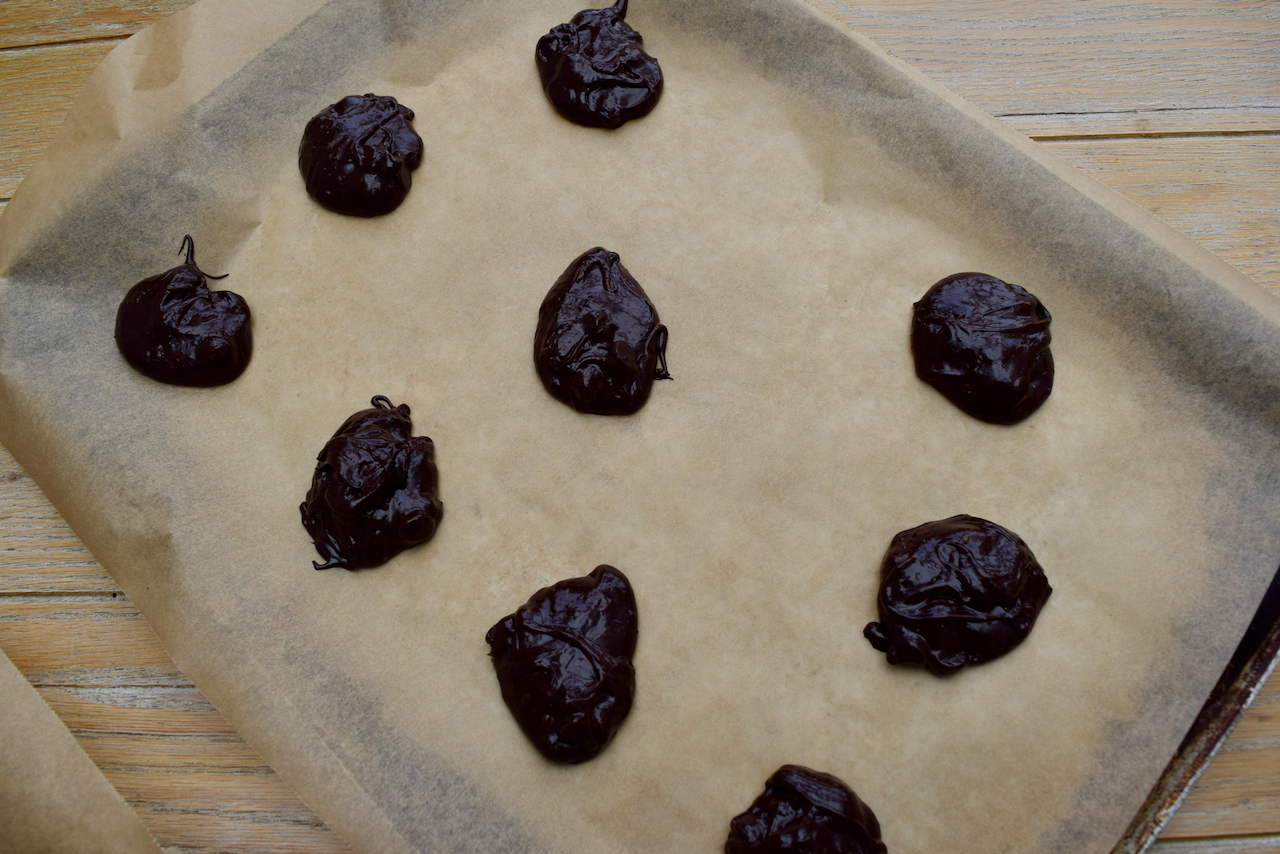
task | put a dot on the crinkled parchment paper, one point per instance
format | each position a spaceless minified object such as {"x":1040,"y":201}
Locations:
{"x":792,"y":194}
{"x":52,"y":798}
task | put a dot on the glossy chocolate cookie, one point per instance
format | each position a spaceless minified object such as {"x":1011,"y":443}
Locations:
{"x":956,"y":592}
{"x":357,"y":156}
{"x":984,"y":343}
{"x":806,"y":812}
{"x":564,"y":663}
{"x":599,"y":346}
{"x":594,"y":70}
{"x":172,"y":328}
{"x":375,"y":491}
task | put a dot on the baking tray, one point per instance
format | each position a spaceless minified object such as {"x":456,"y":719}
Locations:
{"x":1247,"y":672}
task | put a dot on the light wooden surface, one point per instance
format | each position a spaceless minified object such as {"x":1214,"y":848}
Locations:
{"x":1174,"y":103}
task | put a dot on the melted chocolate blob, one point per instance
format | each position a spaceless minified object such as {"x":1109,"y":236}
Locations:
{"x":357,"y":155}
{"x":956,"y":592}
{"x":984,"y":344}
{"x":599,"y":345}
{"x":807,"y":812}
{"x":564,"y":663}
{"x":375,"y":490}
{"x":172,"y":328}
{"x":595,"y":72}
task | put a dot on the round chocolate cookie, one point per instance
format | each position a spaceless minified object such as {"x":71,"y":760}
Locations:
{"x":172,"y":328}
{"x":956,"y":592}
{"x":599,"y":346}
{"x":375,"y":490}
{"x":984,"y":344}
{"x":594,"y":70}
{"x":357,"y":156}
{"x":564,"y":663}
{"x":806,"y":812}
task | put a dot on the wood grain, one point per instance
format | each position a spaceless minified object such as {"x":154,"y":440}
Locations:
{"x":1223,"y":191}
{"x":1175,"y":104}
{"x":1080,"y":58}
{"x":48,"y":79}
{"x":27,"y":23}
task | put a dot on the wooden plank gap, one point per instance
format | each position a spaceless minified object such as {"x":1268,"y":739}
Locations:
{"x":111,"y":40}
{"x":1184,"y":134}
{"x":251,"y":815}
{"x":44,"y":597}
{"x":1137,"y":111}
{"x":111,"y":735}
{"x":182,"y":699}
{"x":124,"y":676}
{"x":172,"y":771}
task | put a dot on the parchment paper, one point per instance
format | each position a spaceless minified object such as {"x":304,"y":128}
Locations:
{"x":52,"y":798}
{"x":792,"y":194}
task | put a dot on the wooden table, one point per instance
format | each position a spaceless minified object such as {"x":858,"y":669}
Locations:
{"x":1174,"y":103}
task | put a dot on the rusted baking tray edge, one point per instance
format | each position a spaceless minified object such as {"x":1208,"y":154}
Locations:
{"x":1250,"y":665}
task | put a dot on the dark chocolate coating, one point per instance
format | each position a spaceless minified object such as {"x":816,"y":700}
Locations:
{"x":172,"y":328}
{"x":807,"y":812}
{"x":595,"y":72}
{"x":375,"y":491}
{"x":599,"y":345}
{"x":357,"y":156}
{"x":984,"y":344}
{"x":955,"y":592}
{"x":564,"y":663}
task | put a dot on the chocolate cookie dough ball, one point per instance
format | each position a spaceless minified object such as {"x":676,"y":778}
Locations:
{"x":172,"y":328}
{"x":564,"y":663}
{"x":375,"y":490}
{"x":357,"y":156}
{"x":599,"y":346}
{"x":984,"y":344}
{"x":956,"y":592}
{"x":807,"y":812}
{"x":594,"y":71}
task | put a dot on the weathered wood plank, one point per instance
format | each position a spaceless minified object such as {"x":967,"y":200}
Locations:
{"x":189,"y":829}
{"x":192,"y":755}
{"x":34,"y":22}
{"x":1245,"y":807}
{"x":1262,"y":727}
{"x":232,"y":811}
{"x":1239,"y":793}
{"x":175,"y":712}
{"x":40,"y":85}
{"x":84,"y":642}
{"x":1222,"y":191}
{"x":1098,"y":57}
{"x":39,"y":552}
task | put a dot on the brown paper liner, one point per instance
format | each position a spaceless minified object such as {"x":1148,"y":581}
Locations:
{"x":792,"y":194}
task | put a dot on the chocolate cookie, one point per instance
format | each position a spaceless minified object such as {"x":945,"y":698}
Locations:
{"x":956,"y":592}
{"x":374,"y":492}
{"x":172,"y":328}
{"x":984,"y":344}
{"x":595,"y":72}
{"x":357,"y":156}
{"x":806,"y":812}
{"x":599,"y":346}
{"x":564,"y":663}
